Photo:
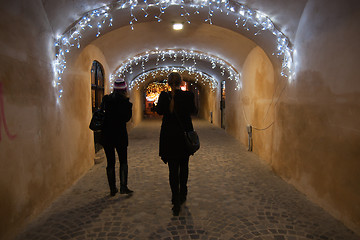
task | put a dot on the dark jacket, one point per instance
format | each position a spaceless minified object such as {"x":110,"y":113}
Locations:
{"x":172,"y":144}
{"x":118,"y":111}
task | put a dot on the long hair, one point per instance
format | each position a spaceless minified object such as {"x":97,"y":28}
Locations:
{"x":174,"y":79}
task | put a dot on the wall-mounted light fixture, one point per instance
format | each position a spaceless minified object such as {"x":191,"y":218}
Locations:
{"x":178,"y":26}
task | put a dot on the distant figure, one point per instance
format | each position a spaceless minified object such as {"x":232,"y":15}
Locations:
{"x":176,"y":107}
{"x":118,"y":111}
{"x":153,"y":107}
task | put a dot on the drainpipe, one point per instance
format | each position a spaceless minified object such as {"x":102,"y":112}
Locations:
{"x":250,"y":142}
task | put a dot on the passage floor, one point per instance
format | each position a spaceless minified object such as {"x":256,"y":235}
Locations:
{"x":232,"y":195}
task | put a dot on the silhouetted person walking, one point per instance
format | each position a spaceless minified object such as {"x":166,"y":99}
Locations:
{"x":118,"y":111}
{"x":176,"y":106}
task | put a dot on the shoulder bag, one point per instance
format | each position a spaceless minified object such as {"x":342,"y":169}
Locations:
{"x":191,"y":137}
{"x":97,"y":120}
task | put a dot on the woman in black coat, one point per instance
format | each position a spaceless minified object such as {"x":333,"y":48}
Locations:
{"x":118,"y":111}
{"x":176,"y":107}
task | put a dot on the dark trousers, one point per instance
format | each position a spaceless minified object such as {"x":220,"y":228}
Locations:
{"x":110,"y":169}
{"x":178,"y":177}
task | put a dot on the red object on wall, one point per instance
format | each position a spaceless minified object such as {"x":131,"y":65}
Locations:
{"x":3,"y":118}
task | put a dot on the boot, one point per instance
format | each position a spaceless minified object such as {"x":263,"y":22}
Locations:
{"x":123,"y":179}
{"x":176,"y":210}
{"x":175,"y":197}
{"x":182,"y":199}
{"x":183,"y":194}
{"x":176,"y":202}
{"x":110,"y":172}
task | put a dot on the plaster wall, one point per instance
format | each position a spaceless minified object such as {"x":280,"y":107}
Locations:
{"x":315,"y":137}
{"x":253,"y":104}
{"x":44,"y":144}
{"x":317,"y":142}
{"x":137,"y":99}
{"x":209,"y":105}
{"x":204,"y":108}
{"x":233,"y":112}
{"x":216,"y":107}
{"x":257,"y":99}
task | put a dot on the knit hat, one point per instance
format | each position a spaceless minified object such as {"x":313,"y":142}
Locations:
{"x":120,"y":84}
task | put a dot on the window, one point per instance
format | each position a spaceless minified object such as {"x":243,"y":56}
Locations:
{"x":97,"y":85}
{"x":97,"y":93}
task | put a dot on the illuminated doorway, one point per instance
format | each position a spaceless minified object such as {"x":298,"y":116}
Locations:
{"x":152,"y":93}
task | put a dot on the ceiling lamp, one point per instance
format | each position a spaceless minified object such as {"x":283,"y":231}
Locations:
{"x":178,"y":26}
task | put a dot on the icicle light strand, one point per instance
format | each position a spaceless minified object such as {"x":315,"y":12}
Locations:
{"x":184,"y":57}
{"x":101,"y":18}
{"x":198,"y":76}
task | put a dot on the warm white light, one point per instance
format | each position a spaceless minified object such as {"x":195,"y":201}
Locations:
{"x":178,"y":26}
{"x":205,"y":79}
{"x":183,"y":56}
{"x":246,"y":18}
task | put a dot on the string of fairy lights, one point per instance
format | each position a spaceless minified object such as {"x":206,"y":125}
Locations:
{"x":198,"y":76}
{"x":182,"y":56}
{"x":154,"y":89}
{"x":102,"y":19}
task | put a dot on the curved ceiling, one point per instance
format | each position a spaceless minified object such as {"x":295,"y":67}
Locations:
{"x":284,"y":13}
{"x":199,"y":66}
{"x":223,"y":38}
{"x":122,"y":44}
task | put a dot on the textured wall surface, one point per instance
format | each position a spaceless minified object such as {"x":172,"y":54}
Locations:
{"x":314,"y":143}
{"x":317,"y":142}
{"x":209,"y":104}
{"x":257,"y":99}
{"x":46,"y":146}
{"x":253,"y":104}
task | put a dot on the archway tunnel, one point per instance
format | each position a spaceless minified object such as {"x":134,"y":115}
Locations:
{"x":287,"y":70}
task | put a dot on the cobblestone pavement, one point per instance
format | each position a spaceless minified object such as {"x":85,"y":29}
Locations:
{"x":232,"y":195}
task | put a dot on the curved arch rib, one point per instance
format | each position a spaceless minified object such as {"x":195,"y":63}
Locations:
{"x":184,"y":60}
{"x":102,"y":18}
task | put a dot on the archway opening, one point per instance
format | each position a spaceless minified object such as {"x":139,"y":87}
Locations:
{"x":152,"y":92}
{"x":153,"y":89}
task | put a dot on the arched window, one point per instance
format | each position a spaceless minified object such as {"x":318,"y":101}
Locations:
{"x":97,"y":93}
{"x":97,"y":85}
